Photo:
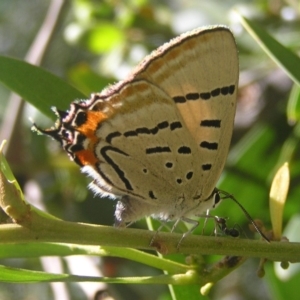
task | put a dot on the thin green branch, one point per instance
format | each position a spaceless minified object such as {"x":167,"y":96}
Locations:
{"x":30,"y":250}
{"x":86,"y":234}
{"x":24,"y":276}
{"x":35,"y":227}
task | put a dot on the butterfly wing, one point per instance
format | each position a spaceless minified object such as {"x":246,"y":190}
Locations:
{"x":159,"y":139}
{"x":199,"y":71}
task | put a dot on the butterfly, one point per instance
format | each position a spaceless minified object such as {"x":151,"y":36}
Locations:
{"x":157,"y":142}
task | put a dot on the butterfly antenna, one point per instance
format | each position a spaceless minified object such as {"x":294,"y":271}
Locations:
{"x":227,"y":195}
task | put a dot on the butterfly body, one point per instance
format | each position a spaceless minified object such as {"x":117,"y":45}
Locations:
{"x":158,"y":141}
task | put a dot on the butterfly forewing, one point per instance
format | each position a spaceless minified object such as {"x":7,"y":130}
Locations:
{"x":200,"y":71}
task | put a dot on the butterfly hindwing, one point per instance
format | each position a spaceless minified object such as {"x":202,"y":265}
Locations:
{"x":148,"y":144}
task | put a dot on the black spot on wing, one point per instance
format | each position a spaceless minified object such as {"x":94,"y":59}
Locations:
{"x":206,"y":167}
{"x":143,"y":130}
{"x":76,"y":147}
{"x":192,"y":96}
{"x":169,"y":165}
{"x":157,"y":149}
{"x":151,"y":195}
{"x":225,"y":90}
{"x":216,"y":92}
{"x":175,"y":125}
{"x":208,"y":145}
{"x":184,"y":150}
{"x":154,"y":130}
{"x":205,"y":96}
{"x":80,"y":118}
{"x":211,"y":123}
{"x":163,"y":125}
{"x":179,"y":99}
{"x":189,"y":175}
{"x":130,"y":133}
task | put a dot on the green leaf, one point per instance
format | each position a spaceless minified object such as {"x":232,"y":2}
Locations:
{"x":293,"y":107}
{"x":39,"y":87}
{"x":285,"y":58}
{"x":13,"y":275}
{"x":7,"y":172}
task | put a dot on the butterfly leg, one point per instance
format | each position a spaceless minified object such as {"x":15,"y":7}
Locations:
{"x":206,"y":216}
{"x":194,"y":223}
{"x":163,"y":224}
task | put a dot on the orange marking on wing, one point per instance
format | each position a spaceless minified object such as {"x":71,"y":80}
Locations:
{"x":94,"y":118}
{"x":132,"y":90}
{"x":143,"y":87}
{"x":156,"y":67}
{"x":86,"y":157}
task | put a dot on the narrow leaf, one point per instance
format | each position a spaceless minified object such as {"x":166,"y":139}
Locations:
{"x":284,"y":57}
{"x":36,"y":85}
{"x":293,"y":107}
